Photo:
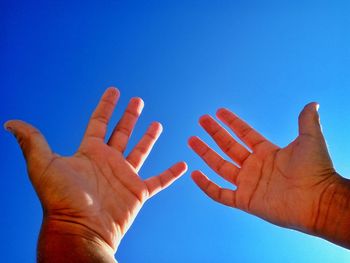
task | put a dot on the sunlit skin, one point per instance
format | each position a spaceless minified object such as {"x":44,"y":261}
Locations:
{"x":90,"y":199}
{"x":295,"y":186}
{"x":96,"y":193}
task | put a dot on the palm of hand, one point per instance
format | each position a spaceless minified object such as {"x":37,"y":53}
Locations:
{"x":97,"y":188}
{"x":87,"y":189}
{"x":283,"y":186}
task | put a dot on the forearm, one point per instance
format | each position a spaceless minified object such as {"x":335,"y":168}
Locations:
{"x":333,"y":219}
{"x":64,"y":242}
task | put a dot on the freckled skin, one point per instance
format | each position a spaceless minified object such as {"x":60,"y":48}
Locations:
{"x":295,"y":186}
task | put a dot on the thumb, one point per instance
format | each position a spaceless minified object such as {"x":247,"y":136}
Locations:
{"x":309,"y":120}
{"x":34,"y":146}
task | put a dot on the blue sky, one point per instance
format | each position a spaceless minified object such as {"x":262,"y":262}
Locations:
{"x":263,"y":59}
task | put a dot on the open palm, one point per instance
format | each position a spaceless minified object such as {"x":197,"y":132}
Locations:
{"x":97,"y":188}
{"x":282,"y":185}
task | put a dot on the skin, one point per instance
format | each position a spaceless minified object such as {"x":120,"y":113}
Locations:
{"x":91,"y":198}
{"x":295,"y":187}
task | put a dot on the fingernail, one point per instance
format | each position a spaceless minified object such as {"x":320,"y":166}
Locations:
{"x":317,"y":106}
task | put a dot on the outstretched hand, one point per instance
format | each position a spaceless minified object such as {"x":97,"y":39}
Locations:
{"x":296,"y":186}
{"x":96,"y":192}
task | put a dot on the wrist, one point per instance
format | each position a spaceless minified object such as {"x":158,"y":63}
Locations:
{"x":66,"y":241}
{"x":333,"y":216}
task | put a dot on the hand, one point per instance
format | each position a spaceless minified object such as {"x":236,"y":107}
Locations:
{"x":294,"y":187}
{"x":97,"y":191}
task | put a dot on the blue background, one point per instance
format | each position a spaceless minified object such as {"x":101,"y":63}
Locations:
{"x":262,"y":59}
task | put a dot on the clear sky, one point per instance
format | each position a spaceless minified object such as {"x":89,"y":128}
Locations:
{"x":262,"y":59}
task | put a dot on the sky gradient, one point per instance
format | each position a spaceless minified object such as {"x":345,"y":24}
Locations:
{"x":262,"y":59}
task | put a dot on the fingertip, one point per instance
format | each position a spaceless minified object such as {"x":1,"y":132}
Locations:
{"x":138,"y":103}
{"x":194,"y":174}
{"x":111,"y":95}
{"x":309,"y":110}
{"x":309,"y":120}
{"x":204,"y":119}
{"x":112,"y":92}
{"x":312,"y":105}
{"x":113,"y":89}
{"x":183,"y":166}
{"x":198,"y":176}
{"x":220,"y":111}
{"x":7,"y":125}
{"x":157,"y":127}
{"x":11,"y":125}
{"x":179,"y":169}
{"x":315,"y":105}
{"x":192,"y":140}
{"x":137,"y":100}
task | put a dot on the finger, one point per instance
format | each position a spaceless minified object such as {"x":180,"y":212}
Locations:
{"x":309,"y":121}
{"x":139,"y":154}
{"x":215,"y":192}
{"x":246,"y":133}
{"x":122,"y":132}
{"x":34,"y":146}
{"x":230,"y":146}
{"x":222,"y":167}
{"x":97,"y":126}
{"x":156,"y":184}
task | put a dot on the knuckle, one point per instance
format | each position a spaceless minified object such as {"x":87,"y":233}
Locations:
{"x":245,"y":131}
{"x":109,"y":101}
{"x":100,"y":118}
{"x":216,"y":133}
{"x":142,"y":150}
{"x":123,"y":130}
{"x":151,"y":136}
{"x":228,"y":146}
{"x":220,"y":166}
{"x":26,"y":141}
{"x":132,"y":113}
{"x":143,"y":194}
